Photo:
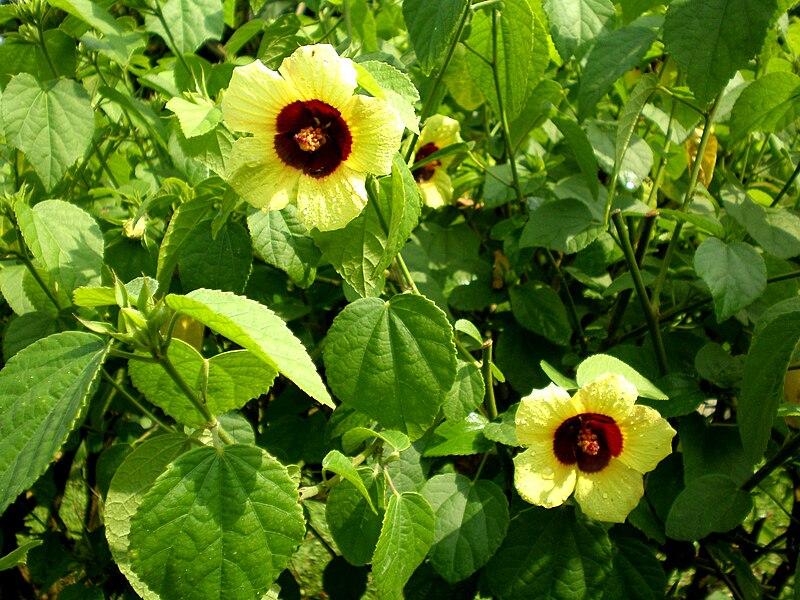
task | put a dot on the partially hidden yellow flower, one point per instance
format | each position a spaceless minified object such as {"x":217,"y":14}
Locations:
{"x":434,"y":183}
{"x":597,"y":443}
{"x":313,"y":140}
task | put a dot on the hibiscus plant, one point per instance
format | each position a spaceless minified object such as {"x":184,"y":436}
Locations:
{"x":400,"y":299}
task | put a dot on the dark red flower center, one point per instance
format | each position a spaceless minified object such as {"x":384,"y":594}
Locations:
{"x":425,"y":172}
{"x":312,"y":137}
{"x":589,"y":440}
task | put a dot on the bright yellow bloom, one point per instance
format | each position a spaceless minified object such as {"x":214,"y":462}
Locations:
{"x":598,"y":443}
{"x":434,"y":183}
{"x":313,"y":140}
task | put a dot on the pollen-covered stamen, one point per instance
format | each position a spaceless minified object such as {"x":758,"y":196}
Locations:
{"x":310,"y":139}
{"x":587,"y":441}
{"x":313,"y":137}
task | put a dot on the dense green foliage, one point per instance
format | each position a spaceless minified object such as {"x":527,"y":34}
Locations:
{"x":200,"y":399}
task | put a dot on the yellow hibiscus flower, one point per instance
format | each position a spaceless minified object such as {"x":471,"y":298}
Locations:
{"x":597,"y":443}
{"x":313,"y":140}
{"x":434,"y":183}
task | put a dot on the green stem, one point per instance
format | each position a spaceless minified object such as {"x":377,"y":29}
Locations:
{"x":625,"y":296}
{"x":503,"y":117}
{"x":178,"y":54}
{"x":466,"y":353}
{"x":125,"y":394}
{"x":687,"y":200}
{"x":347,"y":21}
{"x":484,"y":4}
{"x":788,"y":184}
{"x":650,"y":312}
{"x":196,"y":401}
{"x":572,"y":309}
{"x":130,"y":356}
{"x":430,"y":101}
{"x":104,"y":164}
{"x":32,"y":269}
{"x":788,"y":451}
{"x":486,"y":369}
{"x":45,"y":51}
{"x":407,"y":274}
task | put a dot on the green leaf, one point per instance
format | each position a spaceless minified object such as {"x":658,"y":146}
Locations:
{"x":466,"y":394}
{"x":363,"y":250}
{"x":629,"y":117}
{"x":233,"y":379}
{"x":43,"y":391}
{"x":338,"y":463}
{"x":256,"y":328}
{"x":685,"y":396}
{"x":211,"y":150}
{"x":431,"y":27}
{"x":187,"y":216}
{"x":539,"y":309}
{"x":504,"y":428}
{"x":90,"y":12}
{"x":218,"y":522}
{"x":581,"y":147}
{"x":776,"y":230}
{"x":708,"y":504}
{"x":354,"y":526}
{"x":398,"y":90}
{"x":712,"y":39}
{"x":471,"y":522}
{"x":564,"y":225}
{"x":354,"y":437}
{"x":768,"y":105}
{"x":281,"y":239}
{"x":460,"y":438}
{"x":132,"y":480}
{"x":551,"y":555}
{"x":25,"y":329}
{"x":711,"y":449}
{"x":514,"y":31}
{"x":408,"y":525}
{"x":221,"y":263}
{"x":615,"y":53}
{"x":599,"y":364}
{"x":196,"y":116}
{"x":713,"y":363}
{"x":576,"y":23}
{"x":774,"y":340}
{"x":140,"y":114}
{"x":189,"y":23}
{"x":22,"y":292}
{"x":18,"y":556}
{"x":52,"y":123}
{"x":65,"y":240}
{"x":637,"y":572}
{"x":734,"y":272}
{"x":393,"y":361}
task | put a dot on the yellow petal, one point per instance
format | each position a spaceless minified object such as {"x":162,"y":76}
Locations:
{"x":540,"y":479}
{"x":318,"y":73}
{"x":610,"y":395}
{"x":541,"y":412}
{"x":376,"y":130}
{"x":610,"y":494}
{"x":442,"y":131}
{"x":331,"y":202}
{"x":647,"y":439}
{"x":438,"y":190}
{"x":254,"y":98}
{"x":257,"y":174}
